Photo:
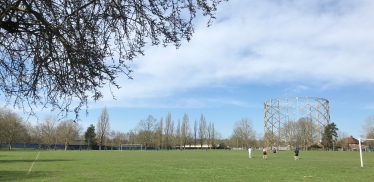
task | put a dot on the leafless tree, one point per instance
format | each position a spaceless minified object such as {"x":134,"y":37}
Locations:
{"x":213,"y":135}
{"x":306,"y":132}
{"x":178,"y":134}
{"x":340,"y":140}
{"x":26,"y":134}
{"x":159,"y":133}
{"x":288,"y":132}
{"x":146,"y":129}
{"x":171,"y":135}
{"x":52,"y":52}
{"x":167,"y":129}
{"x":118,"y":138}
{"x":13,"y":127}
{"x":233,"y":141}
{"x":37,"y":135}
{"x":185,"y":130}
{"x":2,"y":127}
{"x":202,"y":130}
{"x":48,"y":125}
{"x":244,"y":132}
{"x":131,"y":136}
{"x":209,"y":133}
{"x":68,"y":130}
{"x":102,"y":126}
{"x":195,"y":132}
{"x":368,"y":128}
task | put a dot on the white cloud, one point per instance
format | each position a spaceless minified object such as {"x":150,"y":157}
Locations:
{"x":265,"y":42}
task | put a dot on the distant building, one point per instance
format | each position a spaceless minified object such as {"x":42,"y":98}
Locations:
{"x":352,"y":143}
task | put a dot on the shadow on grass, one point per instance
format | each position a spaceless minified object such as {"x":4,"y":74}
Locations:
{"x":20,"y":149}
{"x":21,"y":175}
{"x":11,"y":161}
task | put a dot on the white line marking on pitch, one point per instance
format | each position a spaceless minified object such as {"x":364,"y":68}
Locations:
{"x":33,"y":163}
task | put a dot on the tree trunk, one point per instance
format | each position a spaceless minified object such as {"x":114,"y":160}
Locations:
{"x":10,"y":146}
{"x":100,"y":146}
{"x":66,"y":144}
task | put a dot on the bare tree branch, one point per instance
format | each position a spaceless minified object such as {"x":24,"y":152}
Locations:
{"x":53,"y":52}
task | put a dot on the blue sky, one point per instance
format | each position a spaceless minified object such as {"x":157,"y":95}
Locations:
{"x":255,"y":51}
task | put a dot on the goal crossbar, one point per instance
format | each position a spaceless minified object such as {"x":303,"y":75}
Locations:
{"x":359,"y":141}
{"x":141,"y":146}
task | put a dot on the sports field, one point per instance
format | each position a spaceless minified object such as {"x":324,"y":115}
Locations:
{"x":188,"y":165}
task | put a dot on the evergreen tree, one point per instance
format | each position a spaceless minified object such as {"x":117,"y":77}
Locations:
{"x":89,"y":136}
{"x":329,"y":135}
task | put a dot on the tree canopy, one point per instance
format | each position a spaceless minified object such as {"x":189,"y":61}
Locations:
{"x":329,"y":135}
{"x":90,"y":135}
{"x":55,"y":51}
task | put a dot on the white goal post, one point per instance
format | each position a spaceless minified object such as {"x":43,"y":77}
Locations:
{"x":359,"y":141}
{"x":129,"y":145}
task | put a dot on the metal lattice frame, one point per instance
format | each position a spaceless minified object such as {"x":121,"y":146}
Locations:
{"x":279,"y":111}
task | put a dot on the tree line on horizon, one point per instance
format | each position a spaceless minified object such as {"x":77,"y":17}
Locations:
{"x":167,"y":133}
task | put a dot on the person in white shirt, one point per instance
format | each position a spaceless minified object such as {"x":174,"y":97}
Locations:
{"x":249,"y":151}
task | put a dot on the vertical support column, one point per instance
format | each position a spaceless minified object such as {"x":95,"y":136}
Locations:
{"x":265,"y":119}
{"x":309,"y":113}
{"x":297,"y":108}
{"x":317,"y":118}
{"x":288,"y":120}
{"x":323,"y":113}
{"x":272,"y":123}
{"x":279,"y":129}
{"x":328,"y":111}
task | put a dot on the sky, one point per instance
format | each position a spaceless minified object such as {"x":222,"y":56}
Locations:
{"x":254,"y":51}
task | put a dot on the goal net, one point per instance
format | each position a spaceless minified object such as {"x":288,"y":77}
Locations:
{"x":131,"y":147}
{"x":360,"y":140}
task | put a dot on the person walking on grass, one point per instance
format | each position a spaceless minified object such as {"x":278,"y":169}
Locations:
{"x":296,"y":154}
{"x":250,"y":151}
{"x":264,"y":156}
{"x":275,"y":152}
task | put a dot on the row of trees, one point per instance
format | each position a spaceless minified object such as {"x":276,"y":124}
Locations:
{"x":302,"y":133}
{"x":165,"y":134}
{"x":13,"y":129}
{"x":49,"y":130}
{"x":153,"y":133}
{"x":368,"y":128}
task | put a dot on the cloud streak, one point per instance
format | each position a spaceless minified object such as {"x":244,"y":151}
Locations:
{"x":261,"y":42}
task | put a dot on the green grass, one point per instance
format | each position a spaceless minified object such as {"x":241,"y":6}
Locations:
{"x":188,"y":165}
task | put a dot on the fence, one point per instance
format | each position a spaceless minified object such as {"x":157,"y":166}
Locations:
{"x":44,"y":146}
{"x":84,"y":147}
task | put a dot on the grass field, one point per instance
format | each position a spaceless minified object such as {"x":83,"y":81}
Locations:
{"x":188,"y":165}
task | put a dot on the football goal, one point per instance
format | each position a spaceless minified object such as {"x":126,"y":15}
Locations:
{"x":131,"y":147}
{"x":359,"y":141}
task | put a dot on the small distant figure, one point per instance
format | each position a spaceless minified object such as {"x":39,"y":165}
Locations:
{"x":264,"y":156}
{"x":250,"y":151}
{"x":296,"y":154}
{"x":275,"y":152}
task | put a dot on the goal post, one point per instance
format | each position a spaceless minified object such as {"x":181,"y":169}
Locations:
{"x":131,"y":145}
{"x":359,"y":141}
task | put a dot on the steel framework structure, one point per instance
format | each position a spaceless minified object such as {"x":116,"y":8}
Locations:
{"x":279,"y":111}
